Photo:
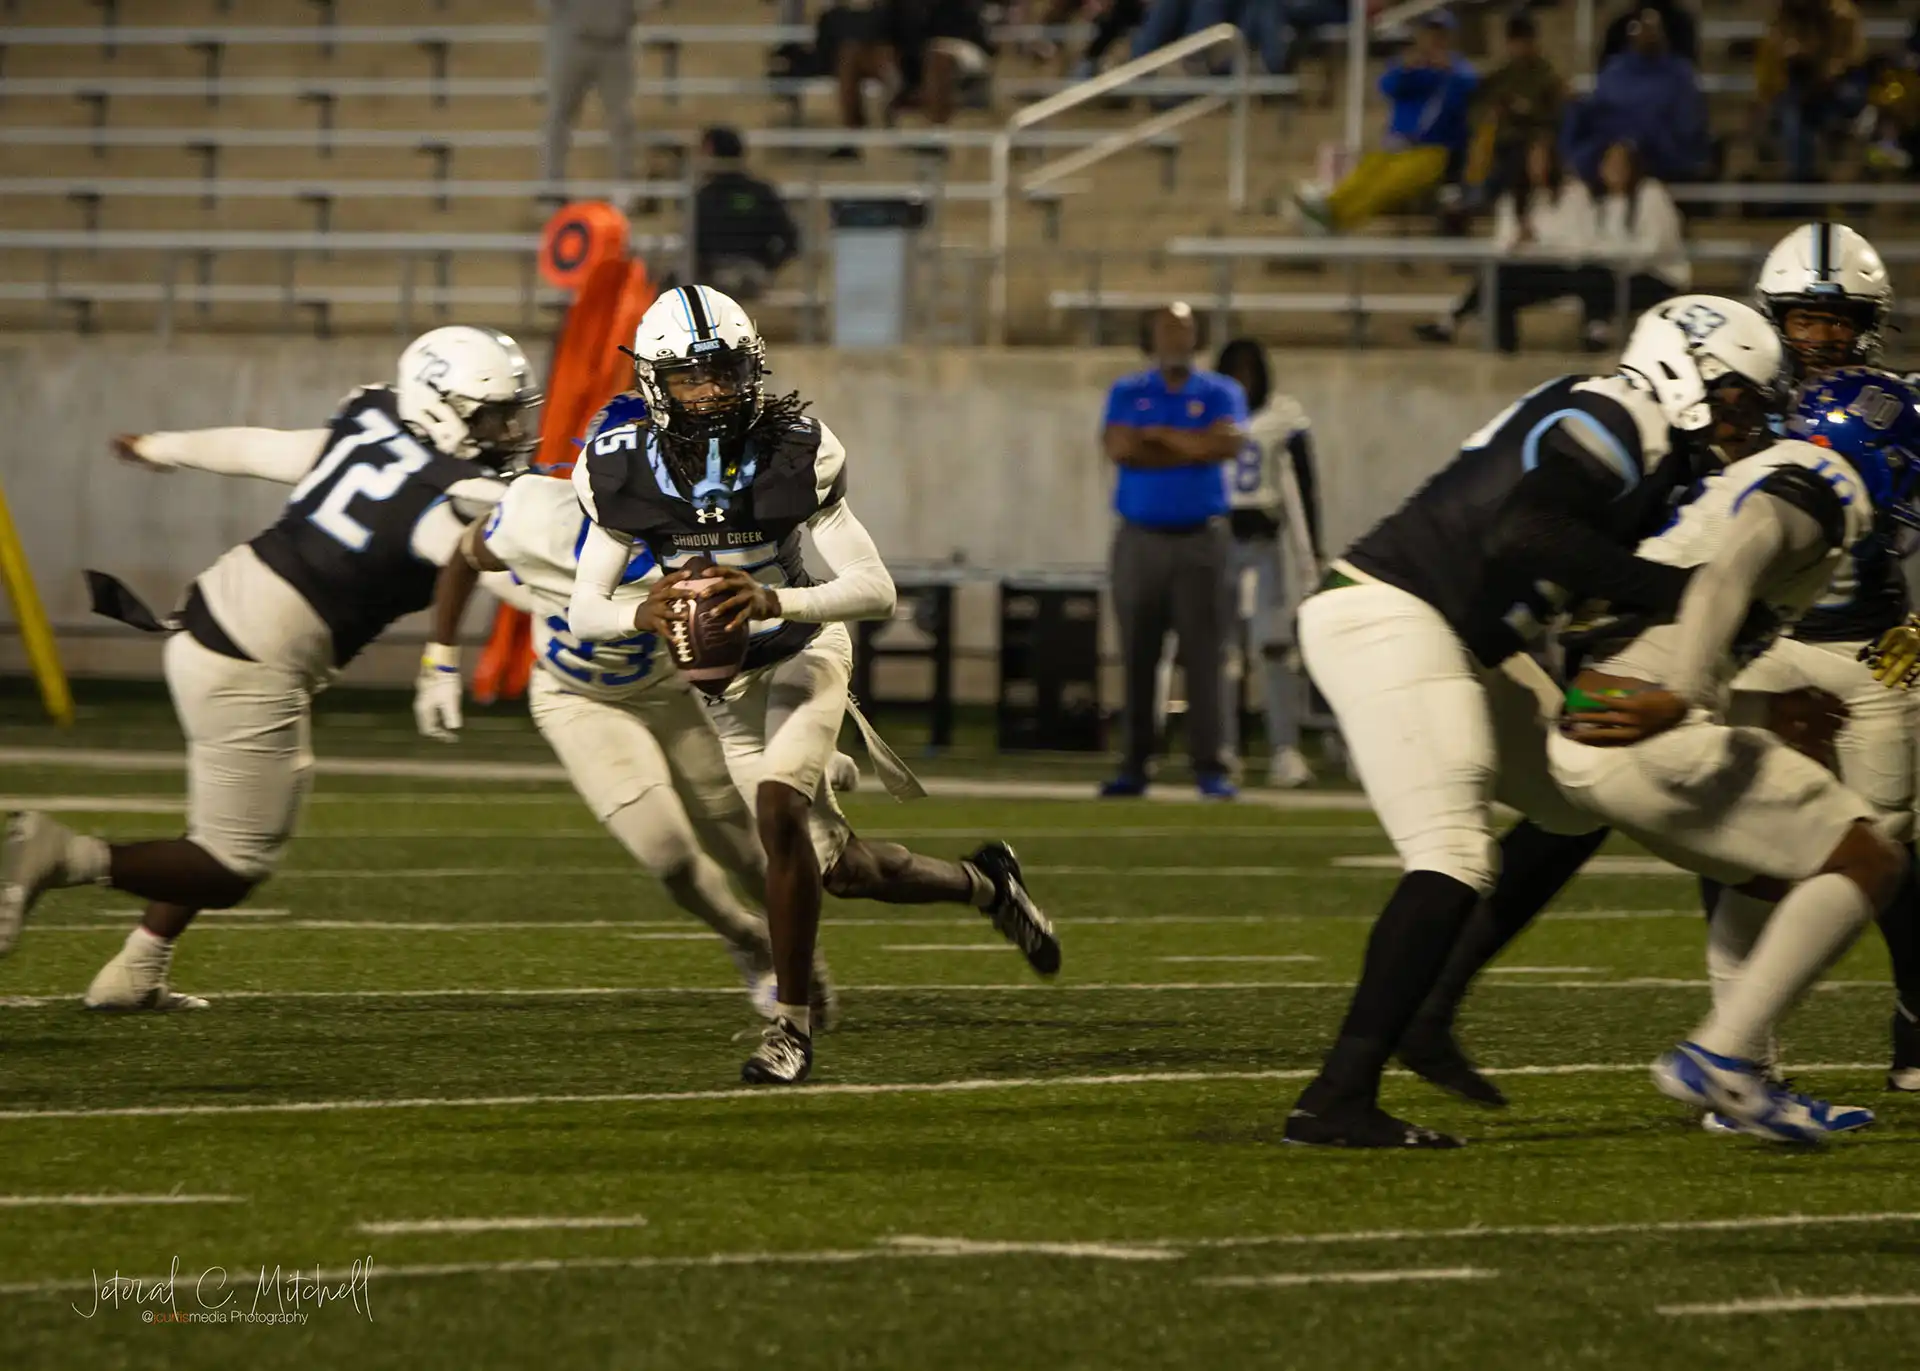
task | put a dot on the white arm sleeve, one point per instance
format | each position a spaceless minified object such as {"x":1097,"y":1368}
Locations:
{"x":591,"y":613}
{"x":1767,"y":539}
{"x":861,"y":587}
{"x":436,"y":534}
{"x":503,"y":587}
{"x":271,"y":454}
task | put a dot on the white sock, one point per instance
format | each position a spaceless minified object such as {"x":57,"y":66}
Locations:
{"x":1731,"y":933}
{"x":799,"y":1015}
{"x":1817,"y":921}
{"x":88,"y":859}
{"x":983,"y":894}
{"x":142,"y":946}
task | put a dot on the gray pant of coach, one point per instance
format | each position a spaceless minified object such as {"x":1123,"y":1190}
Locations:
{"x":1173,"y":579}
{"x":579,"y":60}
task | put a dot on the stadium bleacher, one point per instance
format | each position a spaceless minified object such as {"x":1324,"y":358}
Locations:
{"x":195,"y":119}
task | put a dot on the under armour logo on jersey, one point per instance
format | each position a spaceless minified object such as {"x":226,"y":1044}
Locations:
{"x":710,"y":514}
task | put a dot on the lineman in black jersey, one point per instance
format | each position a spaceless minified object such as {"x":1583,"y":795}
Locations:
{"x":1827,"y":293}
{"x":698,"y":461}
{"x":379,"y":501}
{"x":1418,"y":638}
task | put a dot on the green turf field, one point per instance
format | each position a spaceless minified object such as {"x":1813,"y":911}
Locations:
{"x":459,"y":1037}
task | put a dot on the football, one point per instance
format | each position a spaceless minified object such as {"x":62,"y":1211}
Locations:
{"x":703,"y":649}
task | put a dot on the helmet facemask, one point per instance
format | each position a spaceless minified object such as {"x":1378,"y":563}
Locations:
{"x":1824,"y":331}
{"x":695,"y":402}
{"x":500,"y":433}
{"x":1742,"y":411}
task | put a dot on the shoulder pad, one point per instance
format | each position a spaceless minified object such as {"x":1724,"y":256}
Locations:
{"x":1648,"y":420}
{"x":804,"y":471}
{"x":622,"y":411}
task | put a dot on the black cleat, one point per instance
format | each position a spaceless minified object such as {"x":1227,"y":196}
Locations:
{"x":1368,"y":1126}
{"x":784,"y":1057}
{"x":1437,"y":1059}
{"x":1013,"y":911}
{"x":1905,"y":1072}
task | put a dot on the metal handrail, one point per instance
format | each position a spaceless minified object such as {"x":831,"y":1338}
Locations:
{"x":1001,"y":177}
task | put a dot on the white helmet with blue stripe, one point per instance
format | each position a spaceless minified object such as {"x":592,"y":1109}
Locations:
{"x":698,"y":362}
{"x":1707,"y":359}
{"x":1827,"y":269}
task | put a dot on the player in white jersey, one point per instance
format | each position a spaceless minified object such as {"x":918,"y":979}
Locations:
{"x":380,"y":499}
{"x":1739,"y":804}
{"x":697,"y":461}
{"x":1275,"y":520}
{"x":634,"y":741}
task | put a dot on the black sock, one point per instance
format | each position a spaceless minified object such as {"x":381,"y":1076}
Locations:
{"x":1410,"y":943}
{"x":1900,"y":926}
{"x":1535,"y":866}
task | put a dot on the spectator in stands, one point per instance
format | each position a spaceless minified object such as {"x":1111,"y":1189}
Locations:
{"x":1112,"y":21}
{"x":1272,"y":27}
{"x":1895,"y":99}
{"x":1548,"y":210}
{"x":1683,"y":33}
{"x":1635,"y":219}
{"x":918,"y":49}
{"x":1648,"y":97}
{"x":1808,"y":76}
{"x":1430,"y":89}
{"x":742,"y":232}
{"x":589,"y":43}
{"x":1170,"y":432}
{"x":1518,"y":103}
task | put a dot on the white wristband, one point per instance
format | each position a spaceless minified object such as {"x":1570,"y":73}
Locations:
{"x":441,"y":657}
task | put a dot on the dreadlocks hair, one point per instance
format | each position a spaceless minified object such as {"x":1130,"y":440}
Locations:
{"x":778,"y":415}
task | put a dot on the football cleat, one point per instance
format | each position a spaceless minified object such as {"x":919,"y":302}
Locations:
{"x":1741,"y":1093}
{"x":784,"y":1057}
{"x":1904,"y":1074}
{"x":1366,"y":1126}
{"x":1288,"y":770}
{"x":1435,"y":1057}
{"x":1013,"y":911}
{"x":1843,"y":1119}
{"x":32,"y":862}
{"x":1124,"y":787}
{"x":136,"y":980}
{"x":1216,"y":785}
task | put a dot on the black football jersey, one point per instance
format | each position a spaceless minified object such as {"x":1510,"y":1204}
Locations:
{"x":746,"y":514}
{"x":1439,"y":544}
{"x":345,"y":539}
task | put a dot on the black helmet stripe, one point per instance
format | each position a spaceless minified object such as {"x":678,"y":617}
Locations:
{"x":697,"y":313}
{"x":1823,"y":251}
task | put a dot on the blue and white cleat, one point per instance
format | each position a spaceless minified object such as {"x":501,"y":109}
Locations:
{"x":1840,"y":1118}
{"x":1740,"y":1093}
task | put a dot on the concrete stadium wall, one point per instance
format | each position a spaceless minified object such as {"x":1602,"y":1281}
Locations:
{"x":982,"y":456}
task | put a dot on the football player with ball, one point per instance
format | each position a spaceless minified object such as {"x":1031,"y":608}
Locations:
{"x":715,"y":481}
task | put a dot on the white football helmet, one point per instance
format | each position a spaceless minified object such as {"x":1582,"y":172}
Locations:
{"x":699,"y":363}
{"x":1828,"y":269}
{"x":1707,"y":358}
{"x":467,"y":391}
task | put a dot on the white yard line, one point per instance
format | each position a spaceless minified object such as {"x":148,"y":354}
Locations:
{"x":110,"y":1201}
{"x":1181,"y":872}
{"x":1750,"y":1223}
{"x":1548,"y":970}
{"x":968,"y":1247}
{"x":398,"y":1227}
{"x":107,"y":759}
{"x":93,"y":804}
{"x":814,"y":1092}
{"x":943,"y":947}
{"x":1596,"y":866}
{"x":1790,"y":1304}
{"x":1253,"y":957}
{"x":1288,"y":1279}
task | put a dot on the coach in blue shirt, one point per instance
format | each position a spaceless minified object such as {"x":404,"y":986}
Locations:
{"x":1170,"y":432}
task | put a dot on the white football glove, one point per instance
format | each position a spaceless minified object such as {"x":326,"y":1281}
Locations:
{"x":436,"y":694}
